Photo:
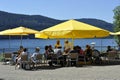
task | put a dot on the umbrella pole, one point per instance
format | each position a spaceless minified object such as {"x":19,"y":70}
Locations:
{"x":21,"y":40}
{"x":72,"y":43}
{"x":101,"y":45}
{"x":9,"y":42}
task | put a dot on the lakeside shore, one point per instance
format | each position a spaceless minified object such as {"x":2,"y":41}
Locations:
{"x":87,"y":72}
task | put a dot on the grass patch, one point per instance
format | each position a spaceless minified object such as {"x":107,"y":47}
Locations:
{"x":1,"y":57}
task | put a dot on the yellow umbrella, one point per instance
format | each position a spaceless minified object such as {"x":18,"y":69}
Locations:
{"x":19,"y":31}
{"x":22,"y":30}
{"x":6,"y":32}
{"x":116,"y":33}
{"x":72,"y":29}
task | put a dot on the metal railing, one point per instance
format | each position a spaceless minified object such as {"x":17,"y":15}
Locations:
{"x":32,"y":49}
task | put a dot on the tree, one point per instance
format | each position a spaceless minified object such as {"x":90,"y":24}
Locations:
{"x":117,"y":22}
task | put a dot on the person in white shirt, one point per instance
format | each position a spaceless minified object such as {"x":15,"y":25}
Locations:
{"x":58,"y":51}
{"x":19,"y":58}
{"x":34,"y":56}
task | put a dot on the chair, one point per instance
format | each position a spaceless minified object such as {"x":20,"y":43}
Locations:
{"x":104,"y":57}
{"x":96,"y":58}
{"x":25,"y":62}
{"x":38,"y":59}
{"x":112,"y":55}
{"x":82,"y":59}
{"x":95,"y":53}
{"x":55,"y":59}
{"x":7,"y":58}
{"x":118,"y":54}
{"x":24,"y":58}
{"x":73,"y":58}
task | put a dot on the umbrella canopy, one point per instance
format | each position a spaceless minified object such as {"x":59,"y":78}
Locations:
{"x":22,"y":30}
{"x":116,"y":33}
{"x":72,"y":29}
{"x":19,"y":31}
{"x":8,"y":31}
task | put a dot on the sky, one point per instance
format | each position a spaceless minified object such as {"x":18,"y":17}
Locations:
{"x":63,"y":9}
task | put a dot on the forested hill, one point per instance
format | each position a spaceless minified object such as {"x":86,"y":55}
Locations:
{"x":38,"y":22}
{"x":10,"y":20}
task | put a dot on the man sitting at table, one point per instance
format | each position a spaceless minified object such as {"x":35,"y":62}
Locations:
{"x":67,"y":46}
{"x":58,"y":44}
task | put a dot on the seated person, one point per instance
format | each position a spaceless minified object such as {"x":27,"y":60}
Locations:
{"x":46,"y":51}
{"x":67,"y":47}
{"x":80,"y":51}
{"x":19,"y":57}
{"x":74,"y":50}
{"x":20,"y":50}
{"x":15,"y":57}
{"x":96,"y":56}
{"x":58,"y":44}
{"x":50,"y":50}
{"x":95,"y":52}
{"x":34,"y":55}
{"x":88,"y":52}
{"x":109,"y":48}
{"x":58,"y":51}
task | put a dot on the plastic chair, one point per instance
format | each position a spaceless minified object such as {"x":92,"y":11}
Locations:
{"x":73,"y":58}
{"x":7,"y":58}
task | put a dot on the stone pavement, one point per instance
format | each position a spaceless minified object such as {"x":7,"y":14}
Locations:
{"x":106,"y":72}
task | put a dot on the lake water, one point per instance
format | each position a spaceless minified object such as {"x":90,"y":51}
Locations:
{"x":13,"y":44}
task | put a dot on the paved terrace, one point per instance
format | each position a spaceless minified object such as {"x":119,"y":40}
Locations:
{"x":88,"y":72}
